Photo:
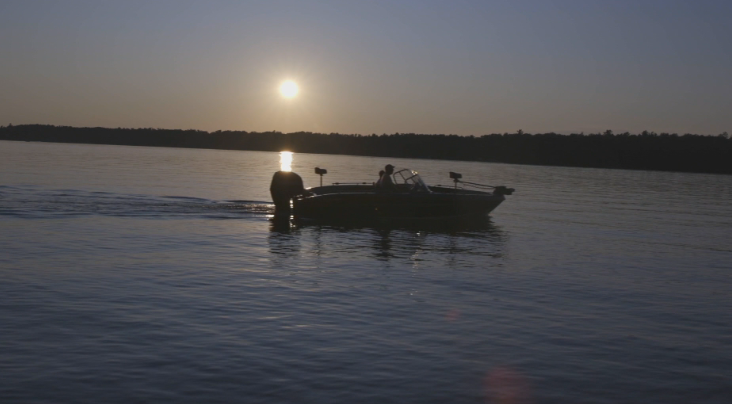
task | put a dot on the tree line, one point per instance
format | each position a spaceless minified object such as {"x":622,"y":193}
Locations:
{"x":642,"y":151}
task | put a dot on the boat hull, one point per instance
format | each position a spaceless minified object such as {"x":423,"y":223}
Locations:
{"x":365,"y":203}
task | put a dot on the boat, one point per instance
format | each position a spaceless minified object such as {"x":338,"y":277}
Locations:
{"x":411,"y":199}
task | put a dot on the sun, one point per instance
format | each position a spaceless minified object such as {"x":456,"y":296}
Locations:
{"x":289,"y":89}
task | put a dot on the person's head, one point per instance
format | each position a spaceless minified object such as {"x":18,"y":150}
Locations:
{"x":389,"y":169}
{"x":381,"y":173}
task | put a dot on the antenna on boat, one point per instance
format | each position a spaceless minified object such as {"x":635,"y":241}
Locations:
{"x":321,"y":172}
{"x":455,"y":177}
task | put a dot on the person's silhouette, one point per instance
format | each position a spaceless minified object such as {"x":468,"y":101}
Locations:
{"x":385,"y":182}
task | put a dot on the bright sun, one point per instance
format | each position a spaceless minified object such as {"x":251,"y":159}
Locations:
{"x":289,"y":89}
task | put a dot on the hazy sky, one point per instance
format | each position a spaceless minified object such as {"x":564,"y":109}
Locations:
{"x":462,"y":67}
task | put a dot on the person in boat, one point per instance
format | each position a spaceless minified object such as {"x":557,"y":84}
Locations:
{"x":385,"y":182}
{"x":378,"y":182}
{"x":285,"y":186}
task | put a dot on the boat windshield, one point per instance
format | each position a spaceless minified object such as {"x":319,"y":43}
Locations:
{"x":411,"y":179}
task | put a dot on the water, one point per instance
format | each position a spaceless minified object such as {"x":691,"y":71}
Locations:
{"x":154,"y":275}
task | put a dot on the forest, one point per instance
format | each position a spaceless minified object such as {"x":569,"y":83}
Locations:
{"x":642,"y":151}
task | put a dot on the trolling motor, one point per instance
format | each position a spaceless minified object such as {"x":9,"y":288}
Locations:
{"x":502,"y":190}
{"x":497,"y":190}
{"x":321,"y":172}
{"x":455,"y":177}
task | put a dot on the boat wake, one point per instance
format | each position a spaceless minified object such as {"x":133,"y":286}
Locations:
{"x":35,"y":202}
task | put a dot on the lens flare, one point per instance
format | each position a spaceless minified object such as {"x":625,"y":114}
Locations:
{"x":286,"y":161}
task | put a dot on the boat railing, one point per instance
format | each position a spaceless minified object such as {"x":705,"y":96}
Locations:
{"x":497,"y":189}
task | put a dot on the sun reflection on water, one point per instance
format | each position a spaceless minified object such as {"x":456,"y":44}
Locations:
{"x":286,"y":161}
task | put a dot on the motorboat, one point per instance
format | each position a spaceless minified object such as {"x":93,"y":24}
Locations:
{"x":411,"y":198}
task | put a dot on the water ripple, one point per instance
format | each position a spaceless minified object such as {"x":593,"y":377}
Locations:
{"x":31,"y":202}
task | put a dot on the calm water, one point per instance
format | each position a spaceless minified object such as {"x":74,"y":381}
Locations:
{"x":154,"y":275}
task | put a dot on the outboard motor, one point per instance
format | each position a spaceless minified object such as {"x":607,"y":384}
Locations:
{"x":285,"y":185}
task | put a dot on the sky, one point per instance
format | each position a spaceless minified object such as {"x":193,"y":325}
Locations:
{"x":363,"y":67}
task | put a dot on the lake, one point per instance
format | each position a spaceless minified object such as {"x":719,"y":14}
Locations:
{"x":133,"y":274}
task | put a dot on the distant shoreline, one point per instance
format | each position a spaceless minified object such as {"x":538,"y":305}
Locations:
{"x":644,"y":151}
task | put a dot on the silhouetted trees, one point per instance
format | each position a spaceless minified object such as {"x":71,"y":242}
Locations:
{"x":644,"y":151}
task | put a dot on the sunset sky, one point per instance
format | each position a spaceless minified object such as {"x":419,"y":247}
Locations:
{"x":462,"y":67}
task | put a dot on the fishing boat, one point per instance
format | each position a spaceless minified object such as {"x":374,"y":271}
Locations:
{"x":411,"y":198}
